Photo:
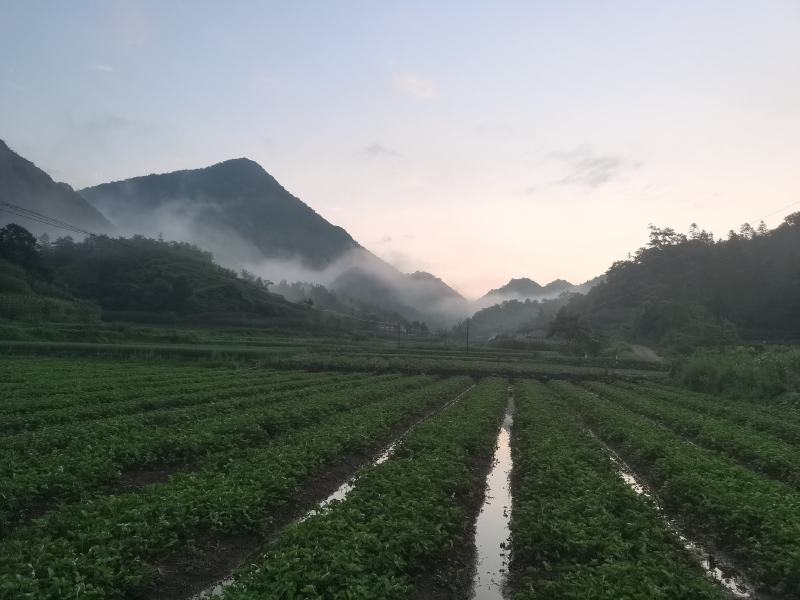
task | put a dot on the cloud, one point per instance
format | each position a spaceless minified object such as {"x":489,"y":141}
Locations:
{"x":16,"y":86}
{"x":588,"y":168}
{"x":105,"y":128}
{"x":387,"y":239}
{"x":101,"y":68}
{"x":414,"y":85}
{"x":378,"y":151}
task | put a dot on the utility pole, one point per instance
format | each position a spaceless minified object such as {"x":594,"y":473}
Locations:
{"x":467,"y":335}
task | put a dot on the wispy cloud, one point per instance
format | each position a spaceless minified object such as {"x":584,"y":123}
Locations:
{"x":104,"y":127}
{"x":588,"y":168}
{"x":414,"y":85}
{"x":378,"y":151}
{"x":101,"y":68}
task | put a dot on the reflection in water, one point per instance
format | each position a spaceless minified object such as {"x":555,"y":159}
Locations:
{"x":218,"y":588}
{"x":492,"y":533}
{"x":716,"y":567}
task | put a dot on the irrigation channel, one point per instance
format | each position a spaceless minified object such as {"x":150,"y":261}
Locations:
{"x":492,"y":533}
{"x":716,"y":566}
{"x":217,"y":589}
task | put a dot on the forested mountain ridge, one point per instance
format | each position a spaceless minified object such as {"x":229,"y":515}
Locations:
{"x":234,"y":208}
{"x":238,"y":211}
{"x":693,"y":288}
{"x":24,"y":184}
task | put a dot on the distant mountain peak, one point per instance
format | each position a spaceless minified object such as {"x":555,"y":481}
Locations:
{"x":234,"y":208}
{"x":520,"y":286}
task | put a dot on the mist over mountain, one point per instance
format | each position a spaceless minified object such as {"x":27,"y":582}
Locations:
{"x":234,"y":208}
{"x":240,"y":213}
{"x":523,"y":288}
{"x":24,"y":184}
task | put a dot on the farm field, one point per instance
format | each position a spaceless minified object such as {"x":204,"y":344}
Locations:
{"x":329,"y":355}
{"x":141,"y":478}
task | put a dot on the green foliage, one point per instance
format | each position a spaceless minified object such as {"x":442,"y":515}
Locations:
{"x":48,"y":559}
{"x":577,"y":530}
{"x":507,"y":317}
{"x":581,"y":336}
{"x":683,"y":290}
{"x":137,"y":279}
{"x":754,"y":448}
{"x":402,"y":519}
{"x":18,"y":246}
{"x":145,"y":275}
{"x":754,"y":520}
{"x":767,"y":373}
{"x":28,"y":307}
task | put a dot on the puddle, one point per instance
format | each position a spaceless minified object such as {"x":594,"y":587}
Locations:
{"x":217,"y":589}
{"x":492,"y":534}
{"x":716,"y":567}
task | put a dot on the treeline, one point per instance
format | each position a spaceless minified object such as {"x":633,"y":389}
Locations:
{"x":688,"y":289}
{"x":129,"y":278}
{"x":322,"y":298}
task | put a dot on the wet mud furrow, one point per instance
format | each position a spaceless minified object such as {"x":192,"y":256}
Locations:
{"x":716,"y":566}
{"x":492,"y":533}
{"x":334,"y":485}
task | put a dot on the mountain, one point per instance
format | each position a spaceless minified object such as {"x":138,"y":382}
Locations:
{"x":240,"y":213}
{"x":524,"y":288}
{"x":234,"y":208}
{"x":682,"y":290}
{"x":24,"y":184}
{"x":416,"y":296}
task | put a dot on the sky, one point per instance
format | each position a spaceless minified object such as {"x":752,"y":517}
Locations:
{"x":476,"y":140}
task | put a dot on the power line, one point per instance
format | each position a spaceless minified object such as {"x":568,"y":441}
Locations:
{"x":779,"y":210}
{"x":32,"y":215}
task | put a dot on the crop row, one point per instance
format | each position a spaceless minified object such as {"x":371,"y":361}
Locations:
{"x":577,"y":530}
{"x":164,"y":398}
{"x":444,"y":366}
{"x":62,"y":437}
{"x":402,"y":519}
{"x":754,"y":519}
{"x":71,"y":389}
{"x":22,"y":373}
{"x":757,"y":450}
{"x":778,"y":422}
{"x":101,"y":549}
{"x":83,"y":469}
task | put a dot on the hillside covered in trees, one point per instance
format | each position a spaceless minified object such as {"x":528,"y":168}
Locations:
{"x":691,"y":288}
{"x":135,"y":278}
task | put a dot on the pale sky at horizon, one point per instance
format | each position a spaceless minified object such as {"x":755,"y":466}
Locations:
{"x":477,"y":141}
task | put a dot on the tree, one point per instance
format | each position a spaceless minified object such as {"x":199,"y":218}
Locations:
{"x":792,"y":220}
{"x":746,"y":231}
{"x":576,"y":331}
{"x":18,"y":245}
{"x":661,"y":238}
